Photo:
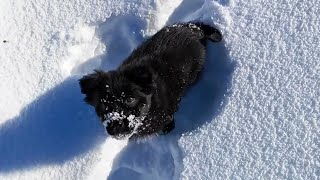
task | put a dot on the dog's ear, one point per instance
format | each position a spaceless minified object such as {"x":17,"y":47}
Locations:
{"x":89,"y":85}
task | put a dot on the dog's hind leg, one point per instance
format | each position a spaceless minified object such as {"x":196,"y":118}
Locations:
{"x":210,"y":32}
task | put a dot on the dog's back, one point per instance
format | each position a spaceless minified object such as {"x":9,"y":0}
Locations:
{"x":182,"y":47}
{"x":178,"y":37}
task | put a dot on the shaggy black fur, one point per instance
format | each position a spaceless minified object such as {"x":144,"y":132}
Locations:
{"x":142,"y":95}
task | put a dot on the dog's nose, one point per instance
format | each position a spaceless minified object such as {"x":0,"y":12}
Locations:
{"x":116,"y":128}
{"x":111,"y":131}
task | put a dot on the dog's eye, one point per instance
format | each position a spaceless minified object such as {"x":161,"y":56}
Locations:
{"x":131,"y":101}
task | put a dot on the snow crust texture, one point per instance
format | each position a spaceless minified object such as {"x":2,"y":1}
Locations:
{"x":254,"y":114}
{"x":270,"y":126}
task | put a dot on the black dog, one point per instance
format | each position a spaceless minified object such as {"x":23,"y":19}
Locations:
{"x":142,"y":95}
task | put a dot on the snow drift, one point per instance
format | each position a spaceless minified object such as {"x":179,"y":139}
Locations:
{"x":254,"y":113}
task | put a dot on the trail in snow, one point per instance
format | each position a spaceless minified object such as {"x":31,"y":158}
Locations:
{"x":108,"y":151}
{"x":263,"y":126}
{"x":160,"y":157}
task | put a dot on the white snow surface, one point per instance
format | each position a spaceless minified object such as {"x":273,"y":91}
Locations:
{"x":254,"y":114}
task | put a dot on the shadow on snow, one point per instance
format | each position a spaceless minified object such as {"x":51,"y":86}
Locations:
{"x":53,"y":129}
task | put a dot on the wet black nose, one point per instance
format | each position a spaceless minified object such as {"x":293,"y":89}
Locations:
{"x":117,"y":127}
{"x":110,"y":130}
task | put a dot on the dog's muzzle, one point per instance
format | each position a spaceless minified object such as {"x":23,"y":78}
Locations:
{"x":118,"y":125}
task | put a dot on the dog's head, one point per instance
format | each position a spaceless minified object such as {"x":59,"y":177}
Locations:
{"x":121,"y":98}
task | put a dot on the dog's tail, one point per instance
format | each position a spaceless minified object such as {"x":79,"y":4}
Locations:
{"x":210,"y":32}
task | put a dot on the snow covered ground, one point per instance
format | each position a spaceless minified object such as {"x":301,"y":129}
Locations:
{"x":253,"y":115}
